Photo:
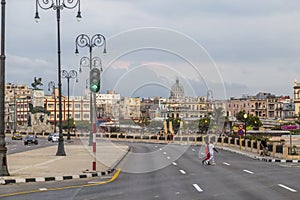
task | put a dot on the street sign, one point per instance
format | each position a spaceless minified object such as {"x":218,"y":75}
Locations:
{"x":241,"y":132}
{"x":241,"y":126}
{"x":290,"y":127}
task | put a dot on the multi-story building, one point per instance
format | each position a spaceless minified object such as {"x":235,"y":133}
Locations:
{"x":79,"y":107}
{"x":108,"y":105}
{"x":17,"y":100}
{"x":297,"y":97}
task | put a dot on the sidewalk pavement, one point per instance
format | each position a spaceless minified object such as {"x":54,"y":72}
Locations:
{"x":256,"y":155}
{"x":43,"y":165}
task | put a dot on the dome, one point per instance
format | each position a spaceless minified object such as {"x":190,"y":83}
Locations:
{"x":177,"y":91}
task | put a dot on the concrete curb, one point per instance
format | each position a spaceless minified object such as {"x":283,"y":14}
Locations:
{"x":113,"y":167}
{"x":56,"y":178}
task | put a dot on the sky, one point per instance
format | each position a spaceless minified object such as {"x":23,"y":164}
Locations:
{"x":230,"y":47}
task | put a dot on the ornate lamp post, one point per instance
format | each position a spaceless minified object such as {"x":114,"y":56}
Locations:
{"x":82,"y":41}
{"x":69,"y":75}
{"x":58,"y":5}
{"x":52,"y":84}
{"x":3,"y":149}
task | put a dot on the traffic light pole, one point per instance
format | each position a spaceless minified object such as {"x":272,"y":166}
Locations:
{"x":96,"y":40}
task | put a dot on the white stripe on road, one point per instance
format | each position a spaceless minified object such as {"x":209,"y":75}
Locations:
{"x":196,"y":186}
{"x":248,"y":171}
{"x":174,"y":163}
{"x":43,"y":189}
{"x":165,"y":153}
{"x":168,"y":157}
{"x":193,"y":149}
{"x":182,"y":171}
{"x":225,"y":163}
{"x":288,"y":188}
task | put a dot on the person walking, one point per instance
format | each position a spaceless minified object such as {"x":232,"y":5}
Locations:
{"x":205,"y":161}
{"x":211,"y":149}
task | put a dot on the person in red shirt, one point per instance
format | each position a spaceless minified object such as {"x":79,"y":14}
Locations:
{"x":205,"y":161}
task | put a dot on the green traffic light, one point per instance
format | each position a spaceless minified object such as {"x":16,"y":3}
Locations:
{"x":95,"y":88}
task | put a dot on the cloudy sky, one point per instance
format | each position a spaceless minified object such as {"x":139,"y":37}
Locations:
{"x":231,"y":47}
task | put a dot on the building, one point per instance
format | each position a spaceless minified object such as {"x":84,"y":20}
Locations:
{"x":17,"y":100}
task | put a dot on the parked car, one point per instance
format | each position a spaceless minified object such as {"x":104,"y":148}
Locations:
{"x":30,"y":139}
{"x":55,"y":137}
{"x":16,"y":136}
{"x":50,"y":136}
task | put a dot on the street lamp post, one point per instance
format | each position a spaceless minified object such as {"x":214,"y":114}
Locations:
{"x":245,"y":117}
{"x":82,"y":41}
{"x":52,"y":84}
{"x":58,"y":5}
{"x":69,"y":75}
{"x":3,"y":149}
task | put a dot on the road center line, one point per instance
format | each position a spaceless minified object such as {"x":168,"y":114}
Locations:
{"x":182,"y":171}
{"x":247,"y":171}
{"x":196,"y":186}
{"x":225,"y":163}
{"x":286,"y":187}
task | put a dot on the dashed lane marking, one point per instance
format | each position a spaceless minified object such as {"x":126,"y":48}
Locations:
{"x":168,"y":157}
{"x":286,"y":187}
{"x":182,"y":171}
{"x":225,"y":163}
{"x":43,"y":189}
{"x":197,"y":187}
{"x":174,"y":163}
{"x":247,"y":171}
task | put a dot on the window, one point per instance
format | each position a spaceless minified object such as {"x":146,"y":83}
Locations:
{"x":86,"y":116}
{"x":77,"y":106}
{"x":86,"y":106}
{"x":77,"y":116}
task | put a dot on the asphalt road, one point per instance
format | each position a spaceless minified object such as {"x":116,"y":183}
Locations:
{"x":153,"y":171}
{"x":15,"y":146}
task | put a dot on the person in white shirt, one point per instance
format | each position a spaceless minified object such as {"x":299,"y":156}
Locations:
{"x":212,"y":149}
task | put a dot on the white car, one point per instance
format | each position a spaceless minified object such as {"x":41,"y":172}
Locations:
{"x":55,"y":137}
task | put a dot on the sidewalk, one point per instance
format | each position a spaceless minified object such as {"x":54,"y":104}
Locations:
{"x":255,"y":155}
{"x":43,"y":165}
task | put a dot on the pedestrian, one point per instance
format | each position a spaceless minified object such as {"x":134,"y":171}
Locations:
{"x":205,"y":161}
{"x":211,"y":149}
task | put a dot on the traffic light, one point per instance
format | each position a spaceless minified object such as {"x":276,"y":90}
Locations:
{"x":95,"y":80}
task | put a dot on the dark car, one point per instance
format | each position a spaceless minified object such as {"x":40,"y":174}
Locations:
{"x":50,"y":136}
{"x":16,"y":136}
{"x":30,"y":139}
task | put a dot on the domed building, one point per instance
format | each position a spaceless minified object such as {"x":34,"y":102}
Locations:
{"x":177,"y":91}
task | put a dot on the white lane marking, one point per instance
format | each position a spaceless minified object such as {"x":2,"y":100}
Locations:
{"x":196,"y":186}
{"x":225,"y":163}
{"x":286,"y":187}
{"x":160,"y":149}
{"x":193,"y":149}
{"x":174,"y":163}
{"x":43,"y":189}
{"x":168,"y":157}
{"x":165,"y":153}
{"x":156,"y":146}
{"x":247,"y":171}
{"x":182,"y":171}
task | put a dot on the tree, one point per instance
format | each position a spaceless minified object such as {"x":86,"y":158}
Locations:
{"x":251,"y":120}
{"x":204,"y":124}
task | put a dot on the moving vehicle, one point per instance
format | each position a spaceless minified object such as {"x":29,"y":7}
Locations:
{"x":30,"y":139}
{"x":16,"y":136}
{"x":55,"y":137}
